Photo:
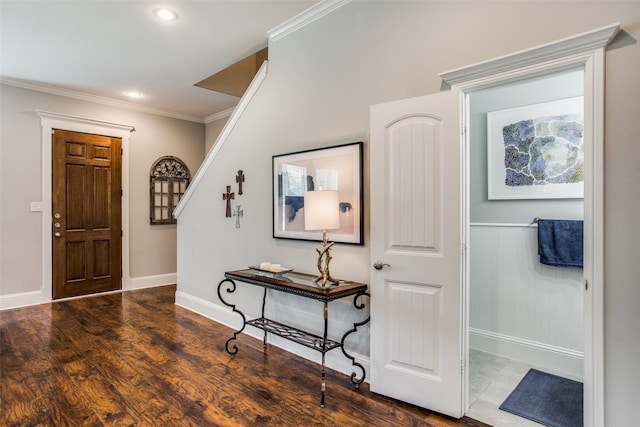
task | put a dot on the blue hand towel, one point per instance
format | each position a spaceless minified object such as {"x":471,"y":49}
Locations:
{"x":560,"y":242}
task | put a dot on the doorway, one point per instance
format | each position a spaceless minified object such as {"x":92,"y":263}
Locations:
{"x":522,"y":314}
{"x":50,"y":121}
{"x":87,"y":214}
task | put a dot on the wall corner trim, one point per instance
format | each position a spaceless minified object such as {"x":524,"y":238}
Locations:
{"x":570,"y":46}
{"x":222,"y":138}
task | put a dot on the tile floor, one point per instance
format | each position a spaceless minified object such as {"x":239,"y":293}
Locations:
{"x":491,"y":379}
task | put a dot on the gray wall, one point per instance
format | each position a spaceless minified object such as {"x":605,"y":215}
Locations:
{"x":322,"y":80}
{"x":152,"y":248}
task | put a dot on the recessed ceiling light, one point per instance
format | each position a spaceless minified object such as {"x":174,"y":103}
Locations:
{"x":133,"y":94}
{"x":165,"y":14}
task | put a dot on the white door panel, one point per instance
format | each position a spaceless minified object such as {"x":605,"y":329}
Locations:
{"x":415,"y":228}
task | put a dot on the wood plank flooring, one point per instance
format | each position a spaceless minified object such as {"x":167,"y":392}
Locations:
{"x":135,"y":358}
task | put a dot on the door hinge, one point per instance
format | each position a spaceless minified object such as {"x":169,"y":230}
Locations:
{"x":121,"y":192}
{"x":586,"y":285}
{"x":53,"y":131}
{"x":121,"y":233}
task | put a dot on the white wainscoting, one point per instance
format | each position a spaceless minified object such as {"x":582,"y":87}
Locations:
{"x":519,"y":308}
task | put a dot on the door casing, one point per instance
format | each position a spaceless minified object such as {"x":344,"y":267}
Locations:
{"x":586,"y":50}
{"x":50,"y":121}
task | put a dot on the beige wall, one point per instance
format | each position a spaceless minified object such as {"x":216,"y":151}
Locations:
{"x":322,"y":80}
{"x":212,"y":130}
{"x":152,"y":248}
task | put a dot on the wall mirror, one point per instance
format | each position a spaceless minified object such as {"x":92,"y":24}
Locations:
{"x":169,"y":180}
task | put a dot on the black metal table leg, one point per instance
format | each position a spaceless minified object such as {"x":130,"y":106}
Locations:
{"x":324,"y":351}
{"x":264,"y":300}
{"x":231,"y":289}
{"x":356,"y":381}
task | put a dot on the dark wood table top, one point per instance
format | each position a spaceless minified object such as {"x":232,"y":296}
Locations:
{"x":297,"y":283}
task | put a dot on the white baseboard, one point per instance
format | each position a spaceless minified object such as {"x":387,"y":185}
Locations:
{"x":24,"y":299}
{"x":21,"y":299}
{"x":152,"y":281}
{"x":334,"y":359}
{"x":538,"y":354}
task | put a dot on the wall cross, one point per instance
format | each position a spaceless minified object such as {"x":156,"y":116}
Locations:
{"x":228,"y":196}
{"x":240,"y":180}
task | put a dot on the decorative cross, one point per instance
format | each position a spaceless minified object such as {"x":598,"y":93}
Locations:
{"x":240,"y":180}
{"x":238,"y":213}
{"x":228,"y":197}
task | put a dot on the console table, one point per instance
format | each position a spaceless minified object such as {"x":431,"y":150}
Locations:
{"x":302,"y":285}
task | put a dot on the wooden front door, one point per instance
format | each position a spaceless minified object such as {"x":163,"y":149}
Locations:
{"x":416,"y":318}
{"x":87,"y":217}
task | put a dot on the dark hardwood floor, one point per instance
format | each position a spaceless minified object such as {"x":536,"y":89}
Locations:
{"x":135,"y":358}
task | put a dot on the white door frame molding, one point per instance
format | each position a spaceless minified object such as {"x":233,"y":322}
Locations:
{"x":586,"y":50}
{"x":48,"y":122}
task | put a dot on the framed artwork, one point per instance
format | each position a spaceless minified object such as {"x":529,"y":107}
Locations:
{"x":536,"y":151}
{"x":336,"y":168}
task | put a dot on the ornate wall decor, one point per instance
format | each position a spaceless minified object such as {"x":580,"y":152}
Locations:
{"x":228,"y":196}
{"x":240,"y":180}
{"x":170,"y":178}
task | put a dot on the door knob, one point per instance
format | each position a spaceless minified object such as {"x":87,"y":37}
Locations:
{"x":57,"y":234}
{"x":379,"y":264}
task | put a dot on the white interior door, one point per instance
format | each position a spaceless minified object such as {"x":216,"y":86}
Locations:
{"x":416,"y":315}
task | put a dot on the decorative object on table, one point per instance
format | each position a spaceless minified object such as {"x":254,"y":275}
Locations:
{"x":169,"y":179}
{"x":240,"y":180}
{"x":228,"y":196}
{"x":536,"y":151}
{"x":237,"y":213}
{"x":274,"y":268}
{"x":322,"y":210}
{"x":336,"y":168}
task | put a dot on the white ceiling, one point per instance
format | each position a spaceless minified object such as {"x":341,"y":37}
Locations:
{"x":103,"y":48}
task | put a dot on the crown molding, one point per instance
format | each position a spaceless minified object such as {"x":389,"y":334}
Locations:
{"x":315,"y":12}
{"x":221,"y":115}
{"x":94,"y":98}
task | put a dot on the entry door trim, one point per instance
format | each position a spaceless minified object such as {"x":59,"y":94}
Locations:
{"x":48,"y":122}
{"x":588,"y":51}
